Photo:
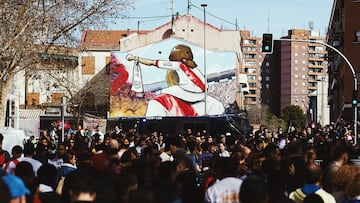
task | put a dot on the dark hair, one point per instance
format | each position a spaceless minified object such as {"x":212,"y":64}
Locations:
{"x":254,"y":189}
{"x":312,"y":174}
{"x":29,"y":148}
{"x":313,"y":198}
{"x":47,"y":174}
{"x":17,"y":149}
{"x":67,"y":157}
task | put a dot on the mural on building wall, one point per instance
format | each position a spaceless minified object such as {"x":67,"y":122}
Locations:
{"x":167,"y":79}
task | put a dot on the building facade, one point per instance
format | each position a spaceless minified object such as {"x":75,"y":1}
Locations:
{"x":344,"y":35}
{"x":293,"y":72}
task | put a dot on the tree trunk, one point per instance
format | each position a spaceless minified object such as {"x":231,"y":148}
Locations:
{"x":4,"y":95}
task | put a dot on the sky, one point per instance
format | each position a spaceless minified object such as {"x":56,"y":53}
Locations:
{"x":257,"y":16}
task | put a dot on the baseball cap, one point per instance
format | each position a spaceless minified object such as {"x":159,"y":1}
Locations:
{"x":15,"y":185}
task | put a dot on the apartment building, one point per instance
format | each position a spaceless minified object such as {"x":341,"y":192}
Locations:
{"x":292,"y":74}
{"x":344,"y":35}
{"x":252,"y":63}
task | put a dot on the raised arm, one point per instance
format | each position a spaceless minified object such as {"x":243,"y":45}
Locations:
{"x":144,"y":61}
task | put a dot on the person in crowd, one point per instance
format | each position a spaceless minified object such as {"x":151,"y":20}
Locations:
{"x":353,"y":190}
{"x":313,"y":198}
{"x":223,"y":152}
{"x":178,"y":151}
{"x":254,"y":189}
{"x":340,"y":158}
{"x":79,"y":186}
{"x":47,"y":184}
{"x":227,"y":188}
{"x":296,"y":165}
{"x":29,"y":152}
{"x":13,"y":189}
{"x":4,"y":155}
{"x":167,"y":189}
{"x":57,"y":161}
{"x":25,"y":171}
{"x":166,"y":154}
{"x":68,"y":165}
{"x":342,"y":178}
{"x":10,"y":166}
{"x":205,"y":156}
{"x":312,"y":178}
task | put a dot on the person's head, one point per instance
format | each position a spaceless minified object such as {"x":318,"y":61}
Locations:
{"x":70,"y":158}
{"x":256,"y":160}
{"x":47,"y":174}
{"x":16,"y":151}
{"x":29,"y":149}
{"x":174,"y":144}
{"x":340,"y":153}
{"x":221,"y":147}
{"x":313,"y":174}
{"x":224,"y":167}
{"x":112,"y":147}
{"x":353,"y":188}
{"x":44,"y":141}
{"x":61,"y":150}
{"x":272,"y":151}
{"x":344,"y":176}
{"x":254,"y":190}
{"x":313,"y":198}
{"x":16,"y":187}
{"x":79,"y":186}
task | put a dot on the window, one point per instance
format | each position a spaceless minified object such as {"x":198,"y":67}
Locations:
{"x":357,"y":35}
{"x":251,"y":77}
{"x":88,"y":65}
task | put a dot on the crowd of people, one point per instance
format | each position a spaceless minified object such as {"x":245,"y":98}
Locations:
{"x":313,"y":164}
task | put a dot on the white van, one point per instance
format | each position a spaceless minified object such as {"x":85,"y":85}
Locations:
{"x":12,"y":137}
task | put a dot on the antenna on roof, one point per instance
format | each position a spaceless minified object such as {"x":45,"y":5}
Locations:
{"x":268,"y":23}
{"x":171,"y":8}
{"x":188,"y":7}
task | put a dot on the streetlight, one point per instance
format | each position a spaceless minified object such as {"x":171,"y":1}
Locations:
{"x":205,"y":75}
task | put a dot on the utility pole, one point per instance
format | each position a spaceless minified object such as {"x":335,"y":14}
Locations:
{"x":205,"y":74}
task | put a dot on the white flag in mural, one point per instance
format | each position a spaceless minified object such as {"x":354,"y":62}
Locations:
{"x":137,"y":83}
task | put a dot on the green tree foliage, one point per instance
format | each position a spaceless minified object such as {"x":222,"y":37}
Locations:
{"x":271,"y":121}
{"x":294,"y":115}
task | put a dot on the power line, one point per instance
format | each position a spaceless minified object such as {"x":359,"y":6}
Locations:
{"x":217,"y":17}
{"x":184,"y":11}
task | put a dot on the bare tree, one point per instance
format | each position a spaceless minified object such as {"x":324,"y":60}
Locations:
{"x":30,"y":28}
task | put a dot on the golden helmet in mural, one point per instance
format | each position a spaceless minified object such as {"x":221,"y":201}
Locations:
{"x":184,"y":54}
